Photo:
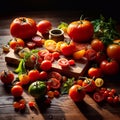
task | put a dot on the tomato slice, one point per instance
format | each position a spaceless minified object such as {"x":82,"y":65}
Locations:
{"x":31,"y":44}
{"x":54,"y":74}
{"x":63,"y":62}
{"x":42,"y":53}
{"x":49,"y":56}
{"x":98,"y":97}
{"x":53,"y":83}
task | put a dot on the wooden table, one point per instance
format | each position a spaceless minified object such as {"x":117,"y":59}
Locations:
{"x":62,"y":108}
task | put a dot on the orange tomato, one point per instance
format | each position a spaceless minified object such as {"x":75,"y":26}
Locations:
{"x":24,"y":79}
{"x":79,"y":54}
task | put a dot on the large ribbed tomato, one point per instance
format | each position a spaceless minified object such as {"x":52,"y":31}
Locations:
{"x":23,"y":27}
{"x":80,"y":31}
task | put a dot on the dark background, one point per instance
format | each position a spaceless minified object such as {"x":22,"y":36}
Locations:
{"x":109,"y":8}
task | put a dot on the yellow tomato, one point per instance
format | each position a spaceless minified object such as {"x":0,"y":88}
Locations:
{"x":79,"y":54}
{"x":58,"y":45}
{"x":99,"y":82}
{"x":24,"y":79}
{"x":50,"y":45}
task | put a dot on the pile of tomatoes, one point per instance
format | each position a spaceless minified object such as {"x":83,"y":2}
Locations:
{"x":46,"y":83}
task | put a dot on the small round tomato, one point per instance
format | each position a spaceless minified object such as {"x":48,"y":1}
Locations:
{"x":33,"y":75}
{"x":16,"y":90}
{"x":112,"y":51}
{"x":77,"y":93}
{"x":43,"y":75}
{"x":7,"y":77}
{"x":44,"y":26}
{"x":94,"y":72}
{"x":54,"y":83}
{"x":56,"y":55}
{"x":109,"y":67}
{"x":89,"y":85}
{"x":16,"y":42}
{"x":63,"y":62}
{"x":24,"y":79}
{"x":45,"y":65}
{"x":97,"y":45}
{"x":23,"y":27}
{"x":80,"y":31}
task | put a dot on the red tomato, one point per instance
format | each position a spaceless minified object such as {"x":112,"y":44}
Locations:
{"x":44,"y":26}
{"x":16,"y":90}
{"x":76,"y":93}
{"x":46,"y":65}
{"x":38,"y":40}
{"x":42,"y":53}
{"x":49,"y":56}
{"x":112,"y":51}
{"x":43,"y":75}
{"x":89,"y":85}
{"x":90,"y":54}
{"x":54,"y":83}
{"x":67,"y":49}
{"x":54,"y":74}
{"x":31,"y":45}
{"x":23,"y":27}
{"x":97,"y":45}
{"x":109,"y":67}
{"x":16,"y":42}
{"x":56,"y":54}
{"x":33,"y":75}
{"x":98,"y":97}
{"x":80,"y":31}
{"x":63,"y":62}
{"x":7,"y":77}
{"x":94,"y":72}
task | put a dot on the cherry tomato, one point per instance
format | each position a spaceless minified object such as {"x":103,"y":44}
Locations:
{"x":16,"y":42}
{"x":80,"y":31}
{"x":63,"y":62}
{"x":7,"y":77}
{"x":16,"y":90}
{"x":71,"y":62}
{"x":94,"y":72}
{"x":67,"y":49}
{"x":76,"y":93}
{"x":89,"y":85}
{"x":97,"y":45}
{"x":46,"y":65}
{"x":98,"y":97}
{"x":24,"y":79}
{"x":44,"y":26}
{"x":54,"y":83}
{"x":109,"y":67}
{"x":23,"y":27}
{"x":43,"y":75}
{"x":56,"y":54}
{"x":33,"y":75}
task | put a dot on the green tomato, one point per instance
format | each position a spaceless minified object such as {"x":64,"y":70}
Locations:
{"x":37,"y":89}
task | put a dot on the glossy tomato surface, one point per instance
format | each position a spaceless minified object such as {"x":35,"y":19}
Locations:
{"x":80,"y":31}
{"x":23,"y":27}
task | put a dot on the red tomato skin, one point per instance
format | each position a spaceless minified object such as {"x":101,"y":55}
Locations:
{"x":97,"y":45}
{"x":80,"y":31}
{"x":46,"y":65}
{"x":44,"y":26}
{"x":94,"y":72}
{"x":23,"y":27}
{"x":68,"y":49}
{"x":34,"y":75}
{"x":75,"y":94}
{"x":109,"y":67}
{"x":7,"y":77}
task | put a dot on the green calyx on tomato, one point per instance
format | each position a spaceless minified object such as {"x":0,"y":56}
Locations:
{"x":37,"y":89}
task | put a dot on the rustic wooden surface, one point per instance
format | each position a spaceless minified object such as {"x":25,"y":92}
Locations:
{"x":62,"y":108}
